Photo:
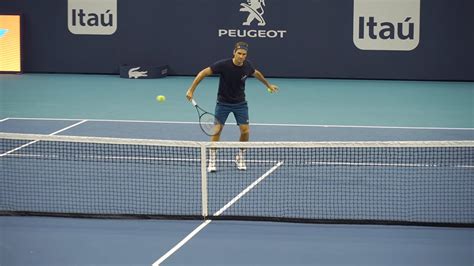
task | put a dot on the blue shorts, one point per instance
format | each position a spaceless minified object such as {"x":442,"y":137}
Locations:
{"x":240,"y":110}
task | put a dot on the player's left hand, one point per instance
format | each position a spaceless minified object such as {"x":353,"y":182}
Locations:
{"x":272,"y":88}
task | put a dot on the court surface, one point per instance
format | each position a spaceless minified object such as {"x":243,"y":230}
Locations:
{"x":303,"y":110}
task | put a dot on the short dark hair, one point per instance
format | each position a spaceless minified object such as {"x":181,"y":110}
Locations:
{"x":241,"y":45}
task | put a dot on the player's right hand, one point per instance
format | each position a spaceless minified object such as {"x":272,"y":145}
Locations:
{"x":189,"y":94}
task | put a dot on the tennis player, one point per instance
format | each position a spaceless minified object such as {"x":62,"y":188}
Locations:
{"x":233,"y":73}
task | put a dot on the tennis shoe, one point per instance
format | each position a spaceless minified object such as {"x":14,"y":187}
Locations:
{"x":211,"y":167}
{"x":240,"y":162}
{"x":212,"y":161}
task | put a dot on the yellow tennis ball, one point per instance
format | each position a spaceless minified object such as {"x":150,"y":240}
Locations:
{"x":160,"y":98}
{"x":269,"y":90}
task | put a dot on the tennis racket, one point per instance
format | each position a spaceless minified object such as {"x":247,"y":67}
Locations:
{"x":207,"y":121}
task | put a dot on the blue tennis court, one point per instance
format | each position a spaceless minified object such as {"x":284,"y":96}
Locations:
{"x":303,"y":110}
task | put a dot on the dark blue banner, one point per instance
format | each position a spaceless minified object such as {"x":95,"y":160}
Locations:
{"x":388,"y":39}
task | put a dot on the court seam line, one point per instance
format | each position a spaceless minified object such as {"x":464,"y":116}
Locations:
{"x":34,"y":141}
{"x":219,"y":212}
{"x":253,"y":124}
{"x":181,"y":243}
{"x":69,"y":127}
{"x":247,"y":189}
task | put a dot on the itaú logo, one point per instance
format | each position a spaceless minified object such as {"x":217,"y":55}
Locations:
{"x":386,"y":24}
{"x":254,"y":9}
{"x":92,"y":17}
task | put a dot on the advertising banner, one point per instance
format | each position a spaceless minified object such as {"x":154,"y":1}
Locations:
{"x":357,"y":39}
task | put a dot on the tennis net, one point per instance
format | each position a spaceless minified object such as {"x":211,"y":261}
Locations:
{"x":419,"y":183}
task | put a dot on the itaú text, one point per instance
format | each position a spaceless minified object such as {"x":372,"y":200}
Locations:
{"x":237,"y":33}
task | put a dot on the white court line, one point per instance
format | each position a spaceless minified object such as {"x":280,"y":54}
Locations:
{"x":253,"y":124}
{"x":135,"y":158}
{"x":4,"y":119}
{"x":170,"y":159}
{"x":251,"y":186}
{"x":33,"y":142}
{"x":219,"y":212}
{"x":66,"y":128}
{"x":384,"y":164}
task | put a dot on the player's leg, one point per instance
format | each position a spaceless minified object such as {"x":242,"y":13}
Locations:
{"x":241,"y":114}
{"x":217,"y":128}
{"x":244,"y":132}
{"x":221,"y":112}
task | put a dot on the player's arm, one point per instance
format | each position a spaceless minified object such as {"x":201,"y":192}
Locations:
{"x":200,"y":76}
{"x":258,"y":75}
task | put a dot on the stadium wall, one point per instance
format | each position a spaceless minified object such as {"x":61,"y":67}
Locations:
{"x":388,"y":39}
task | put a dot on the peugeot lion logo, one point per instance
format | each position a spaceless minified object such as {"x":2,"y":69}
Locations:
{"x":247,"y":29}
{"x":255,"y":9}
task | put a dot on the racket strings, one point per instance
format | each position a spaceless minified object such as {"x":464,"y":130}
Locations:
{"x":208,"y":123}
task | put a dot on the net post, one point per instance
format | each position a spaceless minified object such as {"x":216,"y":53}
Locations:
{"x":204,"y":181}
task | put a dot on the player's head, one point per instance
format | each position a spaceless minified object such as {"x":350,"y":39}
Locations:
{"x":240,"y":52}
{"x":241,"y":45}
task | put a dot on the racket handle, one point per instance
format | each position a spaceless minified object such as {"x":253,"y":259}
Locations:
{"x":193,"y":102}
